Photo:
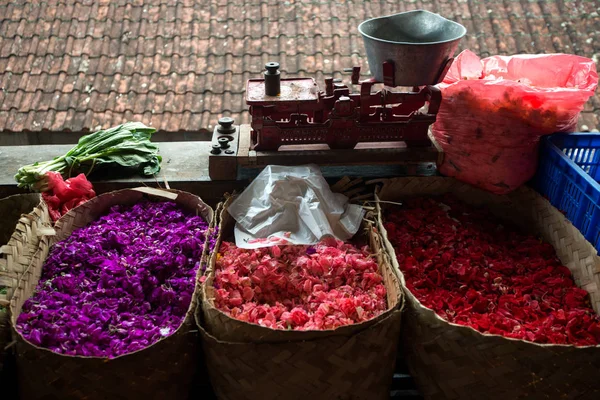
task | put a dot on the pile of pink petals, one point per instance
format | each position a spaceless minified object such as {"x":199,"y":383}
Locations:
{"x":319,"y":287}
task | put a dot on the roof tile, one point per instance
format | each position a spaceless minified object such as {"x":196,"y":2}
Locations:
{"x":24,"y":81}
{"x":8,"y":120}
{"x":143,"y":102}
{"x":77,"y":120}
{"x":52,"y":83}
{"x":111,"y":101}
{"x":53,"y":64}
{"x":58,"y":123}
{"x":122,"y":103}
{"x":36,"y":104}
{"x":179,"y":64}
{"x":123,"y":84}
{"x":17,"y":121}
{"x":129,"y":47}
{"x":3,"y":96}
{"x":156,"y":120}
{"x":195,"y":121}
{"x":185,"y":120}
{"x":51,"y":99}
{"x":6,"y":49}
{"x":17,"y":99}
{"x":146,"y":117}
{"x":7,"y":101}
{"x":588,"y":119}
{"x":595,"y":101}
{"x":48,"y":119}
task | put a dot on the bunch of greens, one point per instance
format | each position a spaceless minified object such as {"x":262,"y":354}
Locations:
{"x":126,"y":145}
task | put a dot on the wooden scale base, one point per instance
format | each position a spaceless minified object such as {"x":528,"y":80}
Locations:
{"x":233,"y":158}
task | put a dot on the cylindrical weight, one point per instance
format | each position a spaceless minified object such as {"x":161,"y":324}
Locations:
{"x":226,"y":126}
{"x":272,"y":79}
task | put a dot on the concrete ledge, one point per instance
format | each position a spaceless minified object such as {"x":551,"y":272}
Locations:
{"x":184,"y":166}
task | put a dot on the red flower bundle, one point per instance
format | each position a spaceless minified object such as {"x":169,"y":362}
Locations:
{"x":319,"y":287}
{"x":472,"y":270}
{"x":63,"y":195}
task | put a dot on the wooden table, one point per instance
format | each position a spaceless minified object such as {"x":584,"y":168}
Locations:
{"x":184,"y":167}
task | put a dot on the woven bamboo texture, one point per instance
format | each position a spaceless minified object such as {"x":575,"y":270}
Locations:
{"x":247,"y":361}
{"x":355,"y":366}
{"x":450,"y":361}
{"x":23,"y":217}
{"x":161,"y":371}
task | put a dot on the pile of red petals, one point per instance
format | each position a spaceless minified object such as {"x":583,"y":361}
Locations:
{"x":473,"y":270}
{"x":61,"y":195}
{"x":319,"y":287}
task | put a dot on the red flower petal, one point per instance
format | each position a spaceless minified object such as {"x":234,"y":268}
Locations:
{"x":473,"y":270}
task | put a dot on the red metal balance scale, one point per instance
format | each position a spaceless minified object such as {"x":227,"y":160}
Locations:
{"x":369,"y":127}
{"x":302,"y":114}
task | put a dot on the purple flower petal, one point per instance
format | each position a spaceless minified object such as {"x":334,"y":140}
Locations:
{"x":119,"y":284}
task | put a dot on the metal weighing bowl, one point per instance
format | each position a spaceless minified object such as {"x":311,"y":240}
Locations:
{"x":419,"y":42}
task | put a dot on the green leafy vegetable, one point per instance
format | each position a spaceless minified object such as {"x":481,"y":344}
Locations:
{"x":126,"y":145}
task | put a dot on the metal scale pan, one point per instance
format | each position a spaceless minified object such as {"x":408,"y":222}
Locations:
{"x":420,"y":44}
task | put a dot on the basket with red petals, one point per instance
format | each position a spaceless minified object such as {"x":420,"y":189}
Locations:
{"x":296,"y":322}
{"x":502,"y":292}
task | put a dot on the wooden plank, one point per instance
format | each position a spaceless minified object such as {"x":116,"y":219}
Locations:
{"x":184,"y":166}
{"x":365,"y":154}
{"x":244,"y":141}
{"x":365,"y":171}
{"x":368,"y":156}
{"x":182,"y":161}
{"x":222,"y":167}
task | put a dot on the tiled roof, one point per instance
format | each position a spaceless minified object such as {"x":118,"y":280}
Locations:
{"x":179,"y":65}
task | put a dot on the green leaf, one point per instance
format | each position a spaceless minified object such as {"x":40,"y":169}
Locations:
{"x":127,"y":145}
{"x":153,"y":167}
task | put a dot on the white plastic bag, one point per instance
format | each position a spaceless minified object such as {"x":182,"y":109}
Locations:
{"x":292,"y":205}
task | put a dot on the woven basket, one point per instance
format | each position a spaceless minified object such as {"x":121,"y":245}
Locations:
{"x":24,"y":218}
{"x":247,"y":361}
{"x":161,"y":371}
{"x":450,"y":361}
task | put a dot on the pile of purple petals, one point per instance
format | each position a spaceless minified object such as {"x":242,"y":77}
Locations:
{"x":119,"y":284}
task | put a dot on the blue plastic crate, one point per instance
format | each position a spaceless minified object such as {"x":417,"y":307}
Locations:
{"x":568,"y":175}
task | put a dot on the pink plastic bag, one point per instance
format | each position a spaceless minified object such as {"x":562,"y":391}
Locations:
{"x":495,"y":110}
